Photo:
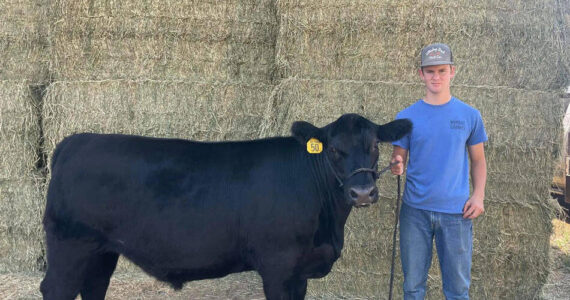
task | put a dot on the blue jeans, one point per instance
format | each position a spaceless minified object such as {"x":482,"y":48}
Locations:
{"x":454,"y":243}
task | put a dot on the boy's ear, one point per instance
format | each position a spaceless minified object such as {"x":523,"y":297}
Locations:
{"x":304,"y":131}
{"x":394,"y":130}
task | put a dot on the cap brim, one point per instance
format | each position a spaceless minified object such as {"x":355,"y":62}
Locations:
{"x":436,"y":63}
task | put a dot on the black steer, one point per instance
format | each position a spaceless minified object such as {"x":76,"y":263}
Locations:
{"x":184,"y":210}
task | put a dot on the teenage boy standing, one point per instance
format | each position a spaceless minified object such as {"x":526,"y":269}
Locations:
{"x":447,"y":135}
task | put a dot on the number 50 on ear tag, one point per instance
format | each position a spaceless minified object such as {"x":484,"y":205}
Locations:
{"x":314,"y":146}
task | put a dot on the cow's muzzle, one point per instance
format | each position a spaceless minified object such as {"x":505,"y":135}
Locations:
{"x":362,"y":196}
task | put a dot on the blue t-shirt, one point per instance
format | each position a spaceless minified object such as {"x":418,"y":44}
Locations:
{"x":437,"y":176}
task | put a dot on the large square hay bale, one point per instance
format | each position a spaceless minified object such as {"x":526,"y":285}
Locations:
{"x":20,"y":182}
{"x":199,"y":111}
{"x":164,"y":40}
{"x":23,"y":40}
{"x":506,"y":43}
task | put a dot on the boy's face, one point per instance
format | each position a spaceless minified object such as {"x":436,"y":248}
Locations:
{"x":437,"y":78}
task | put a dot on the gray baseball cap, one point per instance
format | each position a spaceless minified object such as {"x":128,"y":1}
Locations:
{"x":436,"y":54}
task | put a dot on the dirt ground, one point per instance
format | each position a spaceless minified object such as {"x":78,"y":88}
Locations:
{"x":125,"y":286}
{"x":558,"y":285}
{"x":129,"y":286}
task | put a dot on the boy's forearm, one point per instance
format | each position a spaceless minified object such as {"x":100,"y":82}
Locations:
{"x":479,"y":177}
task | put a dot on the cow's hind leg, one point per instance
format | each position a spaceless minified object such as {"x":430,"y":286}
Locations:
{"x":67,"y":261}
{"x":97,"y":276}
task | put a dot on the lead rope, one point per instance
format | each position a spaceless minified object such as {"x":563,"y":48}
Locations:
{"x":394,"y":240}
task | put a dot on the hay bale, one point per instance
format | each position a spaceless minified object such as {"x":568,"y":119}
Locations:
{"x":199,"y":111}
{"x":23,"y":40}
{"x":20,"y":198}
{"x":172,"y":40}
{"x":504,"y":43}
{"x":21,"y":233}
{"x":563,"y":18}
{"x":517,"y":118}
{"x":511,"y":240}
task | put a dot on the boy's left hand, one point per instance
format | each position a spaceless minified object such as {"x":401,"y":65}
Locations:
{"x":473,"y":207}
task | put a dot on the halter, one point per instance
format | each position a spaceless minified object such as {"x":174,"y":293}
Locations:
{"x":375,"y":174}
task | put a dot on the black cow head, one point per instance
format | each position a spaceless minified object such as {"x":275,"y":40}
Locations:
{"x":350,"y":151}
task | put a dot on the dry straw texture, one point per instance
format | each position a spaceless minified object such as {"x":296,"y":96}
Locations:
{"x":20,"y":216}
{"x":192,"y":40}
{"x":505,"y":43}
{"x":23,"y":40}
{"x":193,"y":110}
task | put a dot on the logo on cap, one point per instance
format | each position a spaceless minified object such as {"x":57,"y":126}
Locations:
{"x":435,"y":53}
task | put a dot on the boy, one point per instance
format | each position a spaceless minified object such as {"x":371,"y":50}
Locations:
{"x":447,"y":134}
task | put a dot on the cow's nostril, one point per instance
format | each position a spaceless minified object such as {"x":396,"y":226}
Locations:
{"x":353,"y":194}
{"x":373,"y":193}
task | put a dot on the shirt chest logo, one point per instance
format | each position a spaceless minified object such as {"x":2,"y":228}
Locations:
{"x":457,"y":124}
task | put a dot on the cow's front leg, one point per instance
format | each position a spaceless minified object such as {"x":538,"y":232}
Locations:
{"x":274,"y":288}
{"x":277,"y":288}
{"x":297,"y":288}
{"x":279,"y":274}
{"x":318,"y":262}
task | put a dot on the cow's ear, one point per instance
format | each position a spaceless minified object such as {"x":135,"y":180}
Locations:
{"x":304,"y":131}
{"x":394,"y":130}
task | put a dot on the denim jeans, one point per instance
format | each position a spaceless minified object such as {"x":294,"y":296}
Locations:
{"x":454,"y":243}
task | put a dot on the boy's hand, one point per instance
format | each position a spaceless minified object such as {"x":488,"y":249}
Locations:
{"x":473,"y":207}
{"x":398,"y":168}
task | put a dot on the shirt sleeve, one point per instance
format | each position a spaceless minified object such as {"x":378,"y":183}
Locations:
{"x":478,"y":133}
{"x":404,"y":142}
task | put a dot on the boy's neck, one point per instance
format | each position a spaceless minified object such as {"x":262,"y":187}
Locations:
{"x":437,"y":99}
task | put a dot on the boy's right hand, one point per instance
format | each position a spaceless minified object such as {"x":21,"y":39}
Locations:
{"x":398,"y":167}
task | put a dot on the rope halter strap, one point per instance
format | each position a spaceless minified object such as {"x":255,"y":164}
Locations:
{"x":375,"y":174}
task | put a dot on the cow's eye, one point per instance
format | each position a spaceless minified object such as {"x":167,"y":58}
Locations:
{"x":336,"y":154}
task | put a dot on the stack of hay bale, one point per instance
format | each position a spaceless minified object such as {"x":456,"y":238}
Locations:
{"x":362,"y":56}
{"x":23,"y":45}
{"x":242,"y":69}
{"x":200,"y":70}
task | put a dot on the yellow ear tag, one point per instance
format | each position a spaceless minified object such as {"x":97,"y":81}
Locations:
{"x":314,"y":146}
